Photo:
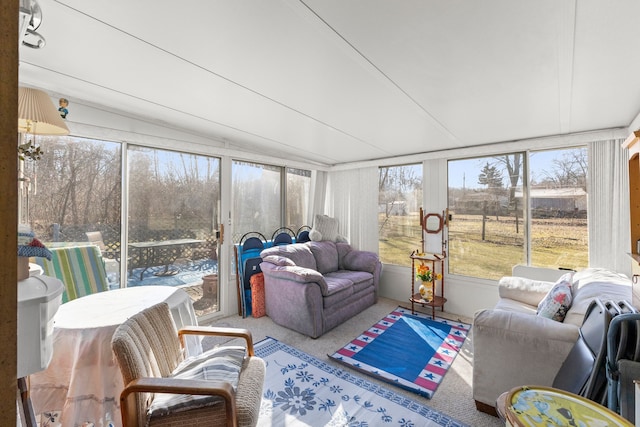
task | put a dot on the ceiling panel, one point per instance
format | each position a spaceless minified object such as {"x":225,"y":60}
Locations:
{"x":335,"y":82}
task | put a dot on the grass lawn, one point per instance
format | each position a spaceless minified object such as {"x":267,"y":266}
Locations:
{"x":561,"y":242}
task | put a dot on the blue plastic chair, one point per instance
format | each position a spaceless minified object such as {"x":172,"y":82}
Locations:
{"x":282,"y":236}
{"x":303,"y":234}
{"x":248,"y":263}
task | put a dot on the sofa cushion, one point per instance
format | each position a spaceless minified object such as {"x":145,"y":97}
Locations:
{"x":524,"y":290}
{"x":278,"y":260}
{"x":339,"y":289}
{"x":299,"y":253}
{"x":326,"y":256}
{"x":557,"y":302}
{"x":508,"y":304}
{"x":592,"y":283}
{"x":361,"y":261}
{"x":337,"y":284}
{"x":343,"y":250}
{"x":359,"y":279}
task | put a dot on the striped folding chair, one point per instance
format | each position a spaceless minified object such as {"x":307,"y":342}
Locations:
{"x":80,"y":268}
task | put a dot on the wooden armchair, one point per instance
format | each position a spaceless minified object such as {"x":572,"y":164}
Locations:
{"x":150,"y":353}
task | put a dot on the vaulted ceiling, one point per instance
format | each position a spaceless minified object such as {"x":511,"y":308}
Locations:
{"x":338,"y":81}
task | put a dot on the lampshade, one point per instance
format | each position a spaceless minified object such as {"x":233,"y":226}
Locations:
{"x":37,"y":114}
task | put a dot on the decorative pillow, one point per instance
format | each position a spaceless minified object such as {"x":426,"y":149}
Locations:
{"x":557,"y":302}
{"x":218,"y":364}
{"x":324,"y":228}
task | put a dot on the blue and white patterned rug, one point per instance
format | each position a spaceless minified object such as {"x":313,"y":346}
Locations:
{"x":301,"y":390}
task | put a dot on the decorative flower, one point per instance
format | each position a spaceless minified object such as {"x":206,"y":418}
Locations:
{"x":424,"y":273}
{"x":296,"y":400}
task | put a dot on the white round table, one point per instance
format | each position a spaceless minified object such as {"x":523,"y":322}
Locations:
{"x":82,"y":384}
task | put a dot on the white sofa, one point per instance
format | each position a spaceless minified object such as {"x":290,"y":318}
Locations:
{"x":513,"y":346}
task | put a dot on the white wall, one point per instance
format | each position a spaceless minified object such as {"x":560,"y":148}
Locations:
{"x":465,"y":295}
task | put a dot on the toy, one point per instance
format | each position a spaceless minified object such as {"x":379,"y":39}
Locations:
{"x":64,"y":103}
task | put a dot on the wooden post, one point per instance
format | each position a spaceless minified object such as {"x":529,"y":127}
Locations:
{"x":8,"y":210}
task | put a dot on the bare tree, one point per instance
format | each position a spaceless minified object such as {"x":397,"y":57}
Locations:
{"x":512,"y":164}
{"x":395,"y":185}
{"x":568,"y":171}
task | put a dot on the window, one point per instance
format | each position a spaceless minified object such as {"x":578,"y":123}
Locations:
{"x":298,"y":190}
{"x":174,"y":201}
{"x":489,"y":204}
{"x":486,"y":236}
{"x":75,"y":189}
{"x":257,"y":198}
{"x":558,"y":194}
{"x":399,"y":202}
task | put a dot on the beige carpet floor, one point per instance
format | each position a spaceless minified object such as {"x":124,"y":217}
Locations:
{"x":453,"y":396}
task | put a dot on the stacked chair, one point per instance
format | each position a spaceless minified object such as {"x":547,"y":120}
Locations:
{"x":247,"y":255}
{"x":608,"y":341}
{"x":302,"y":235}
{"x":80,"y":268}
{"x":283,"y":236}
{"x":623,"y":363}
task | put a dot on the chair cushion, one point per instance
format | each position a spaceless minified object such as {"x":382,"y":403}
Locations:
{"x":558,"y":300}
{"x":217,"y":364}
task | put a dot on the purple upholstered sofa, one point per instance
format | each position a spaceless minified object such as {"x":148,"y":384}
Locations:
{"x":313,"y":287}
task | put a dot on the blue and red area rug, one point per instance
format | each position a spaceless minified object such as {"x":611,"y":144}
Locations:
{"x":411,"y":351}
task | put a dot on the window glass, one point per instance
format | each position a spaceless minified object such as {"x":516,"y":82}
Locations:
{"x":74,"y":189}
{"x":399,"y":202}
{"x":486,"y":233}
{"x":256,"y":198}
{"x":488,"y":203}
{"x":558,"y":195}
{"x":174,"y":218}
{"x":298,"y":190}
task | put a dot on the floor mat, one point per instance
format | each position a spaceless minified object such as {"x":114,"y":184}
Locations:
{"x":408,"y":350}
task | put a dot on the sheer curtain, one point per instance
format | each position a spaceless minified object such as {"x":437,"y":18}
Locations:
{"x":608,"y":189}
{"x":352,"y":198}
{"x":319,"y":188}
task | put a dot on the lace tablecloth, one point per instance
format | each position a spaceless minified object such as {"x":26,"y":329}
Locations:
{"x":82,"y":384}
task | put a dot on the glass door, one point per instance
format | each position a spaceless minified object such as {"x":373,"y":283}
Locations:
{"x":174,"y":223}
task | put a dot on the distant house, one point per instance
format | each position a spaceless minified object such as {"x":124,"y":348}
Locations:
{"x":397,"y":207}
{"x":475,"y":202}
{"x":556,"y":199}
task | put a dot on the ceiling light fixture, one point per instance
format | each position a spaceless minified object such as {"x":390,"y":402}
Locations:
{"x":29,"y":19}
